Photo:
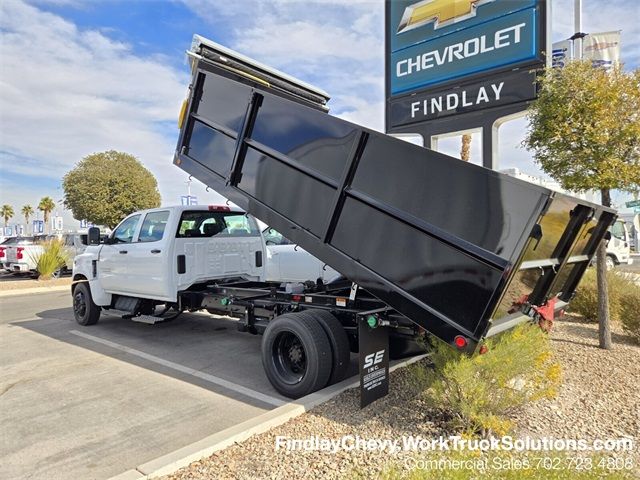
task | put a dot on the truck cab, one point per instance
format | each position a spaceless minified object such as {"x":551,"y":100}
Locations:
{"x":619,"y":247}
{"x":156,"y":253}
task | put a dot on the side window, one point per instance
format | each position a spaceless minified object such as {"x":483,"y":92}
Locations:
{"x":68,"y":240}
{"x":617,"y":230}
{"x":124,"y":232}
{"x":153,"y":226}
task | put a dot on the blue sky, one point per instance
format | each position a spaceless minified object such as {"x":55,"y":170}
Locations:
{"x":79,"y":77}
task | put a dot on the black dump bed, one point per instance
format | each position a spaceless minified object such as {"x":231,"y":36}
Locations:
{"x":456,"y":248}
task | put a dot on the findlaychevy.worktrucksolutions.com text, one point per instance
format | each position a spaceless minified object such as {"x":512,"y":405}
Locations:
{"x":452,"y":443}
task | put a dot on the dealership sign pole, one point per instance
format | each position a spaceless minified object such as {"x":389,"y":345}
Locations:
{"x":457,"y":65}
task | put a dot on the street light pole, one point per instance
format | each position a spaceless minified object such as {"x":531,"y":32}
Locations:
{"x":577,"y":25}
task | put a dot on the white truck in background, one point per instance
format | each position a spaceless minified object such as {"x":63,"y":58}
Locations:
{"x":21,"y":256}
{"x":619,"y":246}
{"x":164,"y":256}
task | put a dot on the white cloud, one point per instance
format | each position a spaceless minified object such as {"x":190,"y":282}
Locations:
{"x":67,"y":92}
{"x":307,"y":40}
{"x":336,"y":45}
{"x":365,"y":113}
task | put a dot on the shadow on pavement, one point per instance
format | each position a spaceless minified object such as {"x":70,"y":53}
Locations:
{"x":197,"y":342}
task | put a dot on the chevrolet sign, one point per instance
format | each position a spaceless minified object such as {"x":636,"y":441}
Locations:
{"x":436,"y":41}
{"x":441,"y":12}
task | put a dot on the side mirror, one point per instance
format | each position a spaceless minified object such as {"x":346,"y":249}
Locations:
{"x":93,"y":236}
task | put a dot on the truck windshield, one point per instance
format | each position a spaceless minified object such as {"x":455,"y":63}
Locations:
{"x":618,"y":231}
{"x":210,"y":224}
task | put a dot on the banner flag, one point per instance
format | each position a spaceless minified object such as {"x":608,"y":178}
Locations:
{"x":561,"y":53}
{"x":603,"y":49}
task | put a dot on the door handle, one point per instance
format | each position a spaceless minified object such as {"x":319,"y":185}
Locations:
{"x":155,"y":250}
{"x":123,"y":251}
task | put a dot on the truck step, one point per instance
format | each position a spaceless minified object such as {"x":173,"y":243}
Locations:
{"x":148,"y":319}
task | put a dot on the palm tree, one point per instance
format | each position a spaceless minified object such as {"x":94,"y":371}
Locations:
{"x":27,"y":212}
{"x":46,"y":206}
{"x":7,"y":212}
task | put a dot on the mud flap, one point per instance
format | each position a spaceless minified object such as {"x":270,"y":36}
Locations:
{"x":373,"y":361}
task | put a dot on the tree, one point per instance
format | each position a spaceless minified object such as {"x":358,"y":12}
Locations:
{"x":105,"y":187}
{"x":27,"y":212}
{"x":46,"y":206}
{"x":7,"y":212}
{"x":584,"y":132}
{"x":465,"y":150}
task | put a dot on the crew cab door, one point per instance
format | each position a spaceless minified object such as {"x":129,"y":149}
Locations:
{"x":148,"y":258}
{"x":113,"y":269}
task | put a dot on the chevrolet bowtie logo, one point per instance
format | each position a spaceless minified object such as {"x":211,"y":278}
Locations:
{"x":441,"y":12}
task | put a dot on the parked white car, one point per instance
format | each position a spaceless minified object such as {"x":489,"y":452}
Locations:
{"x":287,"y":260}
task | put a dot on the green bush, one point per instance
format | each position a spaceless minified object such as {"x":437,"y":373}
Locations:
{"x":585,"y":301}
{"x":624,"y":300}
{"x":476,"y":392}
{"x":630,"y":311}
{"x":52,"y":259}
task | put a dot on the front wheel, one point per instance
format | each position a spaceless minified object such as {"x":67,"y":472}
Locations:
{"x":610,"y":263}
{"x":296,"y":355}
{"x":84,"y":310}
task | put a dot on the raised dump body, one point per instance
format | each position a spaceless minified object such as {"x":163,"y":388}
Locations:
{"x":458,"y":249}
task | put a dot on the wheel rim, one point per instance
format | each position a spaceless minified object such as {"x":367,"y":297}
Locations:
{"x":289,"y":357}
{"x":79,"y":304}
{"x":609,"y":263}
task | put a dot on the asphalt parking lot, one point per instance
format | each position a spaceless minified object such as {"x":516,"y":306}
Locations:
{"x":92,"y":402}
{"x":11,"y":277}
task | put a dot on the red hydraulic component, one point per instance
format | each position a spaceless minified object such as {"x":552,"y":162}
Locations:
{"x":546,"y":313}
{"x":515,"y":306}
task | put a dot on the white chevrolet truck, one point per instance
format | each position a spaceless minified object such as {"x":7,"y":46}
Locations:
{"x":155,"y":262}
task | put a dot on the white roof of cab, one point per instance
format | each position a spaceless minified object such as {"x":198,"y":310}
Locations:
{"x":182,"y":208}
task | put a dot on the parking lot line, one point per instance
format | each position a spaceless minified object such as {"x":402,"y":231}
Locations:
{"x":181,"y":368}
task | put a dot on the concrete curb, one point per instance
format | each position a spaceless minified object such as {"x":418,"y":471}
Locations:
{"x":182,"y":457}
{"x":26,"y":291}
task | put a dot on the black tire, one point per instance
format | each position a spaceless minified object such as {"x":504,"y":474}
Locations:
{"x":84,"y":310}
{"x":296,"y":355}
{"x":339,"y":343}
{"x":610,"y":263}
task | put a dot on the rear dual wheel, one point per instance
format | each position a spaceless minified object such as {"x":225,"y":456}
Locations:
{"x":305,"y":351}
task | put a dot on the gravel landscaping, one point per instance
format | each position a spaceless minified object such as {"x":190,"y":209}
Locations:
{"x":599,"y":399}
{"x":32,"y":283}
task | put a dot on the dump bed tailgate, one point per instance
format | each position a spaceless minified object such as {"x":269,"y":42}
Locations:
{"x":439,"y":240}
